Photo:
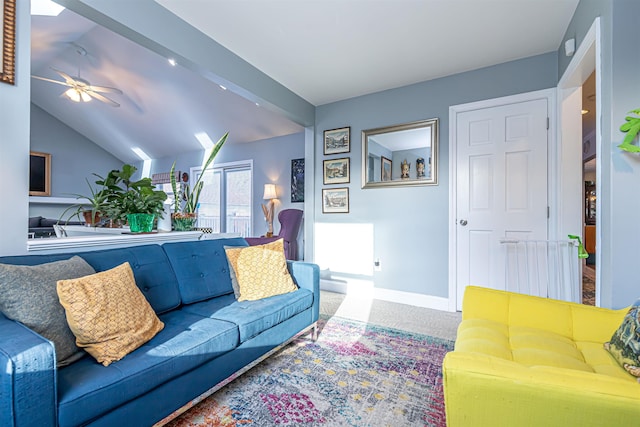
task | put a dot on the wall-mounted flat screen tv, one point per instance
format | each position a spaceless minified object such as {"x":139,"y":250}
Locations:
{"x":39,"y":174}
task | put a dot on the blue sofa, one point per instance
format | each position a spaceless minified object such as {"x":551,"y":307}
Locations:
{"x":208,"y":337}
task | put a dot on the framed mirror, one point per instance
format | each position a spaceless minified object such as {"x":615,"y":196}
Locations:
{"x":400,"y":155}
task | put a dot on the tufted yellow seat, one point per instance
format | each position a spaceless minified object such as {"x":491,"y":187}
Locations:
{"x":527,"y":361}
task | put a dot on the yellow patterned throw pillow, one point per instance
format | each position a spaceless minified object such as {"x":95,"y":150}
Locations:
{"x":108,"y":314}
{"x":261,"y":270}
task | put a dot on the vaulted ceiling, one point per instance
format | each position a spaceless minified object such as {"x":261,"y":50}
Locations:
{"x":322,"y":50}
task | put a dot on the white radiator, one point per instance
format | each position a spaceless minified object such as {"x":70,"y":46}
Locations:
{"x":545,"y":268}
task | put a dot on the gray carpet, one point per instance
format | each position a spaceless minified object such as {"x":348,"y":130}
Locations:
{"x":435,"y":323}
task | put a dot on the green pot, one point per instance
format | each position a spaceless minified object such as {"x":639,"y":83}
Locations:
{"x":184,"y":223}
{"x":140,"y":222}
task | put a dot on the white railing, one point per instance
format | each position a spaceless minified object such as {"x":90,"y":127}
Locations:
{"x":545,"y":268}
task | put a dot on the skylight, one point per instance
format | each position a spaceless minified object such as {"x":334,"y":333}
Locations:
{"x":205,"y":140}
{"x":140,"y":153}
{"x":45,"y":8}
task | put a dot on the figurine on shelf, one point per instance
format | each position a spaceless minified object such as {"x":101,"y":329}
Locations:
{"x":404,"y":168}
{"x":420,"y":167}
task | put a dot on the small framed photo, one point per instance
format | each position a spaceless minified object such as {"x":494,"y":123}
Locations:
{"x":335,"y":200}
{"x":337,"y":141}
{"x":385,"y":173}
{"x":336,"y":171}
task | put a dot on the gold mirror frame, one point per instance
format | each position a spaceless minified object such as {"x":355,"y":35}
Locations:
{"x":370,"y":162}
{"x":8,"y":65}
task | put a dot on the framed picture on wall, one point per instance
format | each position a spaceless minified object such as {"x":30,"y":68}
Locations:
{"x":8,"y":45}
{"x":297,"y":180}
{"x":39,"y":174}
{"x":335,"y":200}
{"x":337,"y":141}
{"x":336,"y":171}
{"x":385,"y":173}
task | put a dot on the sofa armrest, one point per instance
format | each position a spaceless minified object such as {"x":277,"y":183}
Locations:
{"x":28,"y":378}
{"x":307,"y":276}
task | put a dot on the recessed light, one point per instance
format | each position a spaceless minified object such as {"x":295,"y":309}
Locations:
{"x":257,"y":105}
{"x":585,"y":112}
{"x":223,"y":87}
{"x":172,"y":62}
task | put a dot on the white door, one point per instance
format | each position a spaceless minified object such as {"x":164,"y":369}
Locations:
{"x":500,"y":187}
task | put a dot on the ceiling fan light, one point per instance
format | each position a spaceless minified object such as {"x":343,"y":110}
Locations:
{"x":73,"y":94}
{"x":85,"y":97}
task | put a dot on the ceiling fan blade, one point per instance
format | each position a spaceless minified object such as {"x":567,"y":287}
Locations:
{"x":105,"y":89}
{"x":64,"y":75}
{"x":102,"y":98}
{"x":52,"y":81}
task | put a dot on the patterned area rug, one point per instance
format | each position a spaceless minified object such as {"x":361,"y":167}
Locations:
{"x":356,"y":374}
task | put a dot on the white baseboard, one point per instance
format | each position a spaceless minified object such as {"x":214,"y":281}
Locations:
{"x":366,"y":289}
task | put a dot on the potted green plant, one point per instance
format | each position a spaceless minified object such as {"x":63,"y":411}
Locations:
{"x":186,"y":200}
{"x":137,"y":202}
{"x":92,"y":209}
{"x":631,"y":126}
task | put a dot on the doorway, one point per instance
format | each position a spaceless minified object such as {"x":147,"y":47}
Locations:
{"x":590,"y":193}
{"x":580,"y":142}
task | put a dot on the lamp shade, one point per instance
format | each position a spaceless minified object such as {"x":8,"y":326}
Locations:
{"x":269,"y":192}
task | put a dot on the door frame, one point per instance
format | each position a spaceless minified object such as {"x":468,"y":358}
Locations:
{"x":454,"y":110}
{"x":586,"y":59}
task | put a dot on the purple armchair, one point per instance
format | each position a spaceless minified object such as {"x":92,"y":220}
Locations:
{"x":290,"y":220}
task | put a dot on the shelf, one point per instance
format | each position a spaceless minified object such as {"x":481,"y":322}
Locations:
{"x":55,"y":200}
{"x":106,"y":241}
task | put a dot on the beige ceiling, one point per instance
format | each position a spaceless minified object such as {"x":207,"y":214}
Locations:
{"x":322,"y":50}
{"x":329,"y":50}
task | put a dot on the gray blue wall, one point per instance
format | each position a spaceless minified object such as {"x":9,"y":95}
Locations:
{"x":410,"y":225}
{"x":73,"y":158}
{"x":14,"y":143}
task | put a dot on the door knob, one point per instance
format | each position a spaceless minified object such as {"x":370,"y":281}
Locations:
{"x":463,"y":222}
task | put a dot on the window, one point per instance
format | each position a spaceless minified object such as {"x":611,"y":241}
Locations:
{"x":226,"y":194}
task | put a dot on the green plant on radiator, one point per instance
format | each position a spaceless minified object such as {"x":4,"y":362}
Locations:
{"x":186,"y":200}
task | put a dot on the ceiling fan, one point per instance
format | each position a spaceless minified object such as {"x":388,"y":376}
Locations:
{"x":79,"y":88}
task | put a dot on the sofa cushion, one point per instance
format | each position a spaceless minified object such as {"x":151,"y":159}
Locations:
{"x":28,"y":295}
{"x":34,"y":221}
{"x":201,"y":267}
{"x":108,"y":314}
{"x":624,"y":345}
{"x":87,"y":390}
{"x":151,"y":269}
{"x":253,"y":317}
{"x":524,"y":345}
{"x":48,"y":222}
{"x":261,"y":270}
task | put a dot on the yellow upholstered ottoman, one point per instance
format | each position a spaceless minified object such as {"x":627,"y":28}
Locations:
{"x":527,"y":361}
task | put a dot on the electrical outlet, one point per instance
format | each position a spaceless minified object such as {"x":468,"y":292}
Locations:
{"x":377,"y":265}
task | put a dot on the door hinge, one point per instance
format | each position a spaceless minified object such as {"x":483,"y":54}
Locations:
{"x":547,"y":123}
{"x":548,"y":212}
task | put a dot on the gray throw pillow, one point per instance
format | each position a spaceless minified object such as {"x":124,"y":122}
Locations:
{"x":28,"y":295}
